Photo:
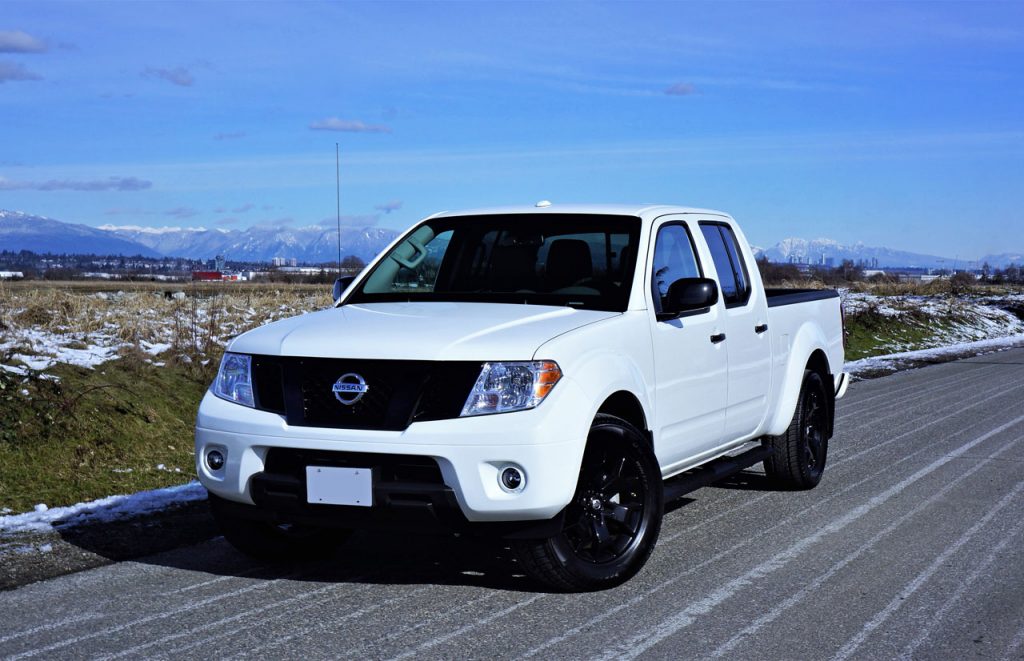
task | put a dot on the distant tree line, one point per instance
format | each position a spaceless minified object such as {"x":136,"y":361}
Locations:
{"x":53,"y":266}
{"x":849,"y":272}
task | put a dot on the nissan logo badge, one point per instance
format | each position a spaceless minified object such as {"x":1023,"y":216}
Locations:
{"x":350,"y":388}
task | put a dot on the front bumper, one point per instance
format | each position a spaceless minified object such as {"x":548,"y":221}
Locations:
{"x":547,"y":443}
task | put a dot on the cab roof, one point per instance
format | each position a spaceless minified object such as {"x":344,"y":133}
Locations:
{"x":647,"y":211}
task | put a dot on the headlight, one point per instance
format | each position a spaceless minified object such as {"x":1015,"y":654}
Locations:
{"x":234,"y":379}
{"x":504,"y":387}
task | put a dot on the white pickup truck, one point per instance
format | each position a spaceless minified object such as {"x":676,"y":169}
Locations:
{"x":552,"y":375}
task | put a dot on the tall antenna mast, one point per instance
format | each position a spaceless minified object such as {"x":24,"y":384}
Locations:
{"x":337,"y":177}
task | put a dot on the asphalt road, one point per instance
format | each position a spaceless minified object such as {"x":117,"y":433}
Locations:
{"x":911,"y":547}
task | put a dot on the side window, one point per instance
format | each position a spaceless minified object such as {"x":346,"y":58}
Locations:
{"x":674,"y":258}
{"x":732,"y":271}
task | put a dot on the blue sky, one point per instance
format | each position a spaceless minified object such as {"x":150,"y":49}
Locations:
{"x":892,"y":124}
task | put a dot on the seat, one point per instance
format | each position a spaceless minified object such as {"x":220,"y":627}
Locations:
{"x":513,"y":269}
{"x":568,"y":263}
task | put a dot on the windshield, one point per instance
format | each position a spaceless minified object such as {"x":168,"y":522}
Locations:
{"x":584,"y":261}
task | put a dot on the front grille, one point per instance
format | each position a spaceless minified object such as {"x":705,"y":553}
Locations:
{"x":399,"y":392}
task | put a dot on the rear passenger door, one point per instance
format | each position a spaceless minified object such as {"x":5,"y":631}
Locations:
{"x":690,"y":369}
{"x":745,"y":324}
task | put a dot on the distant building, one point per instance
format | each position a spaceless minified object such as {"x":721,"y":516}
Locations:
{"x":278,"y":261}
{"x":307,"y":270}
{"x":207,"y":276}
{"x":11,"y":275}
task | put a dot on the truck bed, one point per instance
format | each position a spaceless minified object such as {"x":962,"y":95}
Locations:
{"x":779,"y":296}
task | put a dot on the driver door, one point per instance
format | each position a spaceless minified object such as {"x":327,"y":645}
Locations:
{"x":691,"y":371}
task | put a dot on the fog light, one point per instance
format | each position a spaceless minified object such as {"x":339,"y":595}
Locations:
{"x":215,"y":460}
{"x":512,"y":479}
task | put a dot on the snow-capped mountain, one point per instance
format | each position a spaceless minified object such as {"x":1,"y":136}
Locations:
{"x":1002,"y":260}
{"x":825,"y":251}
{"x":22,"y":231}
{"x":316,"y":244}
{"x":305,"y":244}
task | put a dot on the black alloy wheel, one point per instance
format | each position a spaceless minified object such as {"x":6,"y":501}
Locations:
{"x":799,"y":456}
{"x":612,"y":523}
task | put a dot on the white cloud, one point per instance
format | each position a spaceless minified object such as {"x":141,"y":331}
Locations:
{"x":360,"y":220}
{"x":177,"y":76}
{"x":15,"y":71}
{"x":110,"y":183}
{"x":181,"y":212}
{"x":388,"y":207}
{"x":681,"y":89}
{"x":347,"y":126}
{"x":16,"y":41}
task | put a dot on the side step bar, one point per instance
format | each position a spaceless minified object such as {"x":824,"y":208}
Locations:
{"x":713,"y":471}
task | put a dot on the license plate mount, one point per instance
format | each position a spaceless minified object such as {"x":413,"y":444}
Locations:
{"x":339,"y":485}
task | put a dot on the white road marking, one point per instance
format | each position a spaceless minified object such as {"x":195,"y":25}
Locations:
{"x":401,"y":631}
{"x":933,"y":386}
{"x":569,"y":633}
{"x":209,"y":625}
{"x":433,"y":642}
{"x":936,"y":617}
{"x":644,"y":640}
{"x":910,"y":588}
{"x":815,"y":585}
{"x":277,"y":642}
{"x":81,"y":617}
{"x":149,"y":618}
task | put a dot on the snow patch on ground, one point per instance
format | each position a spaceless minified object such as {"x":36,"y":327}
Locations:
{"x":41,"y":350}
{"x":112,"y":508}
{"x":160,"y":327}
{"x":897,"y":361}
{"x":939,"y":321}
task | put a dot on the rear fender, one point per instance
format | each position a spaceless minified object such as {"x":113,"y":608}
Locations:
{"x":807,"y":340}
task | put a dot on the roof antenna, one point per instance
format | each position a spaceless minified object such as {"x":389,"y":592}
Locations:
{"x":337,"y":177}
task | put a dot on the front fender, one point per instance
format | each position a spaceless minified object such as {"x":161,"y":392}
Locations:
{"x":604,"y":358}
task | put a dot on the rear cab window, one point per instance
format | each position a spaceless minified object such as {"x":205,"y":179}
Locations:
{"x":733,"y":277}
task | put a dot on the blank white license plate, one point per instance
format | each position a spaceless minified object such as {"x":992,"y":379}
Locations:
{"x":329,"y":485}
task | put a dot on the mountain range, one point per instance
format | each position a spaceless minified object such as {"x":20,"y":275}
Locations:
{"x":317,"y":244}
{"x":825,"y":251}
{"x":314,"y":244}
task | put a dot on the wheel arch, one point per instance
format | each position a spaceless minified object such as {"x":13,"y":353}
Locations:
{"x":808,"y":352}
{"x":624,"y":404}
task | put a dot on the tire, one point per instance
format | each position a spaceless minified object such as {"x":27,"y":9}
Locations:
{"x":612,"y":523}
{"x":272,"y":542}
{"x":799,"y":457}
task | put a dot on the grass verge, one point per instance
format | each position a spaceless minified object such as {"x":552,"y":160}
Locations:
{"x":123,"y":427}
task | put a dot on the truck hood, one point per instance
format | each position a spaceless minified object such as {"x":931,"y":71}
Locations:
{"x":418,"y":331}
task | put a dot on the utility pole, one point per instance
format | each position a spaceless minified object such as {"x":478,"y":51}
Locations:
{"x":337,"y":177}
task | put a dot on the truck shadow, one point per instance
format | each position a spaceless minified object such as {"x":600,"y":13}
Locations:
{"x":187,"y":539}
{"x":747,"y":481}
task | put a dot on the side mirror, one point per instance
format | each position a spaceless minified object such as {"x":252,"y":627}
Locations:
{"x":688,"y":295}
{"x":341,"y":284}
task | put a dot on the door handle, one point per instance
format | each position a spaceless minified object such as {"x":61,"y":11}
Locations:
{"x":718,"y":337}
{"x":761,"y":328}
